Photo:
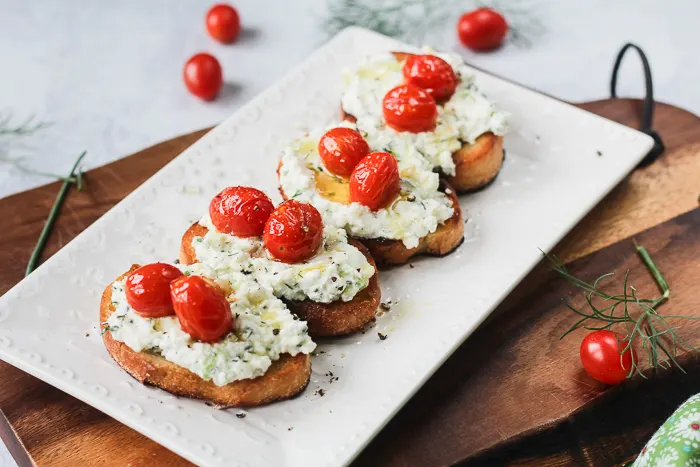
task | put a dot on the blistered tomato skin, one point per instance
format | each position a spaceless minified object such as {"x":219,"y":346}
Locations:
{"x":375,"y":182}
{"x":293,"y":232}
{"x":240,"y":211}
{"x":341,"y":149}
{"x":431,"y":73}
{"x":148,"y":289}
{"x":409,"y":108}
{"x":201,"y":308}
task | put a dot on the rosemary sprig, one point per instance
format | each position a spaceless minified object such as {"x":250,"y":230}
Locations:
{"x":637,"y":317}
{"x":48,"y":225}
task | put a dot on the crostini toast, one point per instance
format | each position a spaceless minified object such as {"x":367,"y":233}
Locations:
{"x":446,"y":238}
{"x":477,"y":165}
{"x":323,"y":319}
{"x":285,"y":378}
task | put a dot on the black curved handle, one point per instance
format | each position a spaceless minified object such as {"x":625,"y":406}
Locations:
{"x":648,"y":108}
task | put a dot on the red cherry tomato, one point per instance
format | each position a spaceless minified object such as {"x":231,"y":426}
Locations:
{"x":201,"y":307}
{"x":409,"y":108}
{"x":341,"y":149}
{"x":482,"y":29}
{"x":431,"y":73}
{"x":148,"y":289}
{"x":375,"y":181}
{"x":293,"y":232}
{"x":600,"y":356}
{"x":223,"y":23}
{"x":203,"y":76}
{"x":240,"y":211}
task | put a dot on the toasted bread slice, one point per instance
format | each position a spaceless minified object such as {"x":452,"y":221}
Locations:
{"x":285,"y":378}
{"x":324,"y":319}
{"x":446,"y":238}
{"x":477,"y":165}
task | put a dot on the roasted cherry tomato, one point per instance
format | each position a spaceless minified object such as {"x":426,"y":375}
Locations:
{"x":431,"y":73}
{"x":203,"y":76}
{"x":240,"y":211}
{"x":602,"y":357}
{"x":375,"y":181}
{"x":409,"y":108}
{"x":482,"y":29}
{"x":148,"y":289}
{"x":341,"y":149}
{"x":223,"y":23}
{"x":201,"y":307}
{"x":293,"y":232}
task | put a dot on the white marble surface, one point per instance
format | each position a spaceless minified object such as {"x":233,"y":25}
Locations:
{"x":108,"y":74}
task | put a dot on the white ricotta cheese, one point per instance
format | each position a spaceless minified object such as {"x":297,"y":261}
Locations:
{"x":466,"y":116}
{"x":337,"y":272}
{"x":263,"y":330}
{"x":419,"y":210}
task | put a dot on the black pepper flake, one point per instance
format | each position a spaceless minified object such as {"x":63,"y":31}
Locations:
{"x":410,"y":265}
{"x":411,"y":198}
{"x":599,"y":152}
{"x":177,"y":261}
{"x":382,"y":337}
{"x":290,"y":428}
{"x":320,"y":392}
{"x":385,"y":306}
{"x":240,"y":415}
{"x":87,"y":334}
{"x":275,"y":331}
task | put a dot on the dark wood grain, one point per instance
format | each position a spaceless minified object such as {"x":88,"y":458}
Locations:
{"x":59,"y":430}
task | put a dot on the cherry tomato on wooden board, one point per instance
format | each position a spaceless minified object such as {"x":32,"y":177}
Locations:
{"x":482,"y":29}
{"x":223,"y":23}
{"x":375,"y":182}
{"x":409,"y":108}
{"x":600,"y":356}
{"x":341,"y":149}
{"x":240,"y":211}
{"x":293,"y":232}
{"x":148,"y":289}
{"x":431,"y":73}
{"x":201,"y":308}
{"x":203,"y":76}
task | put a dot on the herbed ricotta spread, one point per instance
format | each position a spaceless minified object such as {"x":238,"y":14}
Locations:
{"x":337,"y":272}
{"x":466,"y":116}
{"x":263,"y":330}
{"x":419,"y":210}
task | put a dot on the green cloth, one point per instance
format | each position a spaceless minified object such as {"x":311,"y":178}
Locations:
{"x":677,"y":442}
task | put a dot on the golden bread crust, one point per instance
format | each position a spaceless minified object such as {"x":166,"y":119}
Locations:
{"x":323,"y":319}
{"x":285,"y":378}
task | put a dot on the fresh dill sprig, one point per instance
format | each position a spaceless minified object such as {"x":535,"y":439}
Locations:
{"x":27,"y":127}
{"x":636,"y":318}
{"x":414,"y":20}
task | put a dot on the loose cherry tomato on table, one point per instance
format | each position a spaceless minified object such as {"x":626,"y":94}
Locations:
{"x":293,"y":232}
{"x":223,"y":23}
{"x":148,"y":289}
{"x":341,"y":149}
{"x":240,"y":211}
{"x":482,"y":29}
{"x":201,"y":308}
{"x":203,"y":76}
{"x":375,"y":182}
{"x":409,"y":108}
{"x":431,"y":73}
{"x":602,"y":357}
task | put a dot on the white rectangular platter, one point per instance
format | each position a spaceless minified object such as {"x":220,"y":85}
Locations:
{"x":560,"y":162}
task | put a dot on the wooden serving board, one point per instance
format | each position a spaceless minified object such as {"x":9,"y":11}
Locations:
{"x":513,"y":393}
